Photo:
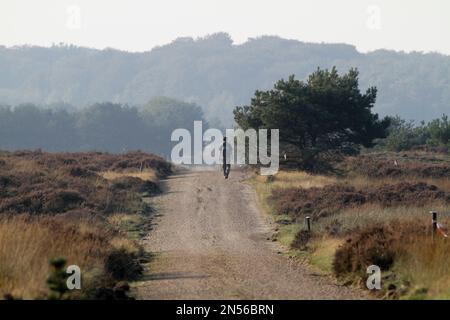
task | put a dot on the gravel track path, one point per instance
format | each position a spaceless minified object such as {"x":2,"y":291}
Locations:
{"x":210,"y":241}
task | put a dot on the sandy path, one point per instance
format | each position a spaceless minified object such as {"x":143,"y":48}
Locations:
{"x":211,"y":243}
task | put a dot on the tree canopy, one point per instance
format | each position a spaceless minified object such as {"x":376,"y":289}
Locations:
{"x":325,"y":113}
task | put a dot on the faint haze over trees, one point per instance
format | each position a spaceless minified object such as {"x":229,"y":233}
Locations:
{"x":101,"y":126}
{"x":217,"y":75}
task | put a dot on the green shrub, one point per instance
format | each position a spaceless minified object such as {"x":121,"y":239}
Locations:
{"x":439,"y":131}
{"x":123,"y":265}
{"x":57,"y":280}
{"x":301,"y":240}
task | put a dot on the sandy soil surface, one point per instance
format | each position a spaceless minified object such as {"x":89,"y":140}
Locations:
{"x":211,"y":242}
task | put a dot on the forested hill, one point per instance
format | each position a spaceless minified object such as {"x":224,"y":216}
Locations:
{"x":217,"y":75}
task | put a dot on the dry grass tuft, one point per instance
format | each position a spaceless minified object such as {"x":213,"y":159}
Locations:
{"x":425,"y":265}
{"x":362,"y":182}
{"x":146,"y":175}
{"x":298,"y":179}
{"x":28,"y":243}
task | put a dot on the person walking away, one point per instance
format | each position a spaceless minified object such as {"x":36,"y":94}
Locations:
{"x":226,"y":153}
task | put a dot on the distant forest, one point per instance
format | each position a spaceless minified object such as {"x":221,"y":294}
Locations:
{"x":101,"y":127}
{"x":212,"y":73}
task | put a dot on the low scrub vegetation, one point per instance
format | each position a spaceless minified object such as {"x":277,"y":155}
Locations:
{"x":321,"y":202}
{"x":73,"y":206}
{"x":397,"y":165}
{"x":364,"y":215}
{"x":41,"y":183}
{"x":377,"y":244}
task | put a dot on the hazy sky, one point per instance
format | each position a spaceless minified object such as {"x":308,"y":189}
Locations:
{"x":139,"y":25}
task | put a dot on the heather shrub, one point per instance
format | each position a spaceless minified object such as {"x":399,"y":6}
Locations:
{"x":123,"y":265}
{"x":321,"y":202}
{"x":395,"y":166}
{"x":375,"y":245}
{"x":58,"y":205}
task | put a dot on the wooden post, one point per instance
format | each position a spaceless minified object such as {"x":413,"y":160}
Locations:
{"x":308,"y":223}
{"x":434,"y":221}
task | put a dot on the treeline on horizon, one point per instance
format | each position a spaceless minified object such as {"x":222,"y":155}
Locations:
{"x":120,"y":128}
{"x":217,"y":74}
{"x":107,"y":126}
